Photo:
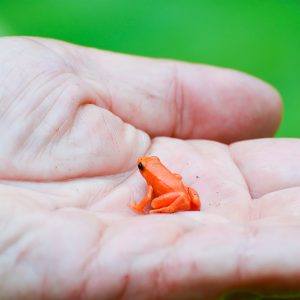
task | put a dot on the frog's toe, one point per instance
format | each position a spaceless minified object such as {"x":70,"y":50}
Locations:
{"x":136,"y":207}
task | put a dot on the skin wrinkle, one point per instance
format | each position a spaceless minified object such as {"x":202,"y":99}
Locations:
{"x":156,"y":275}
{"x":18,"y":96}
{"x":71,"y":121}
{"x":95,"y":197}
{"x":169,"y":285}
{"x":11,"y":242}
{"x":103,"y":99}
{"x":174,"y":98}
{"x":5,"y":88}
{"x":42,"y":118}
{"x":61,"y":58}
{"x":39,"y":88}
{"x":136,"y":109}
{"x":50,"y":107}
{"x":94,"y":252}
{"x":24,"y":241}
{"x":149,"y":94}
{"x":16,"y":99}
{"x":57,"y":98}
{"x":125,"y":287}
{"x":46,"y":205}
{"x":186,"y":128}
{"x":94,"y":249}
{"x":77,"y":118}
{"x":123,"y":164}
{"x":125,"y":284}
{"x":249,"y":232}
{"x":23,"y":92}
{"x":162,"y":283}
{"x":94,"y":200}
{"x":112,"y":135}
{"x":142,"y":256}
{"x":192,"y":266}
{"x":103,"y":91}
{"x":181,"y":119}
{"x":242,"y":175}
{"x":255,"y":212}
{"x":269,"y":165}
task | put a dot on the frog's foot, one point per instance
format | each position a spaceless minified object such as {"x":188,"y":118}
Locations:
{"x":137,"y":208}
{"x":195,"y":199}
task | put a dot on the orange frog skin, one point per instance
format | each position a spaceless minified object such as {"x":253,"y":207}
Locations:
{"x":166,"y":192}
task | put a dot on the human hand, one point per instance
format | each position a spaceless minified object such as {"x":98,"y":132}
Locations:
{"x":73,"y":121}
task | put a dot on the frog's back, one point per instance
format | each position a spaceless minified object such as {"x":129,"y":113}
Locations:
{"x":163,"y":180}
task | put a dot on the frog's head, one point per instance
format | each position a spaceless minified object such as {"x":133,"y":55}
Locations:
{"x":144,"y":162}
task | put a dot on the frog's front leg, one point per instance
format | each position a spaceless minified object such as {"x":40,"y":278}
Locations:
{"x":170,"y":203}
{"x":146,"y":200}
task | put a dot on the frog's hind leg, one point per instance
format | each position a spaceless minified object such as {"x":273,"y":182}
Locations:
{"x":170,"y":203}
{"x":146,"y":200}
{"x":195,"y":199}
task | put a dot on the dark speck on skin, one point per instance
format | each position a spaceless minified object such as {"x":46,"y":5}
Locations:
{"x":197,"y":176}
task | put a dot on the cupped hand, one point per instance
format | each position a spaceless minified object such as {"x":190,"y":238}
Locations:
{"x":73,"y":121}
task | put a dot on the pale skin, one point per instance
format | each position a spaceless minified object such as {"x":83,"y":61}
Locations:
{"x":74,"y":120}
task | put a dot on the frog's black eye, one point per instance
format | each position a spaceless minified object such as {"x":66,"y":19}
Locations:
{"x":140,"y":166}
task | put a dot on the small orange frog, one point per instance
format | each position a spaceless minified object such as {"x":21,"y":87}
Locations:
{"x":166,"y":193}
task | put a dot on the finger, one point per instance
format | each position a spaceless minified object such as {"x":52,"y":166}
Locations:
{"x":235,"y":260}
{"x":268,"y":165}
{"x":279,"y":207}
{"x":168,"y":98}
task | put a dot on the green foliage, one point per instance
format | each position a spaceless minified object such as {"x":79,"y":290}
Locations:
{"x":253,"y":295}
{"x":258,"y":37}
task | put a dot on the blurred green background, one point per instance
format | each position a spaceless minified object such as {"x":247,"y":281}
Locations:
{"x":260,"y":37}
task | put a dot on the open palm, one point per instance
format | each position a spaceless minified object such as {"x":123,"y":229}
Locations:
{"x":74,"y":120}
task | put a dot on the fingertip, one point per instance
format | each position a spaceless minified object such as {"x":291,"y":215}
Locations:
{"x":227,"y":105}
{"x":275,"y":106}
